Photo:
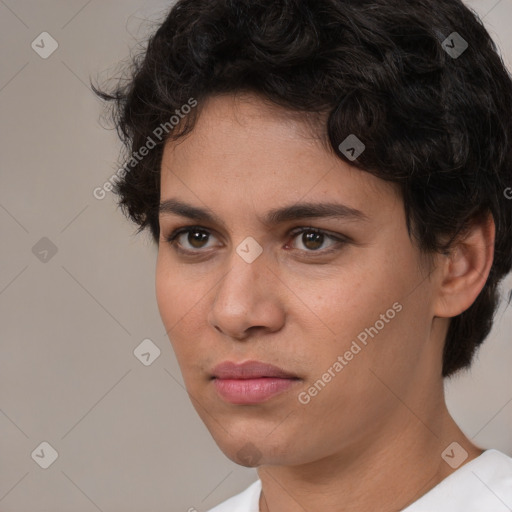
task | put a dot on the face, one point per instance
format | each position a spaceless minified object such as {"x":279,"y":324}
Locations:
{"x":274,"y":250}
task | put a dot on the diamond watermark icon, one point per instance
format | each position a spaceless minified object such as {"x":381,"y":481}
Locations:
{"x":352,"y":147}
{"x":44,"y":250}
{"x":249,"y":455}
{"x":45,"y":455}
{"x":454,"y":45}
{"x":454,"y":455}
{"x":249,"y":249}
{"x":147,"y":352}
{"x":44,"y":45}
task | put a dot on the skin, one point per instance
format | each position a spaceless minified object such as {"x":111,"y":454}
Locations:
{"x":372,"y":438}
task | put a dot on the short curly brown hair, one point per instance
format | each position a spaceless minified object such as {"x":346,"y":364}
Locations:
{"x":420,"y":82}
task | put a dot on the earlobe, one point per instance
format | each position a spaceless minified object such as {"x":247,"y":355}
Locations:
{"x":466,"y":268}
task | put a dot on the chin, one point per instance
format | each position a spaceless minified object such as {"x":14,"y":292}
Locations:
{"x":252,"y":451}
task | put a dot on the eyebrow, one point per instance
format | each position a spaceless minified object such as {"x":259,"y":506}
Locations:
{"x":273,"y":217}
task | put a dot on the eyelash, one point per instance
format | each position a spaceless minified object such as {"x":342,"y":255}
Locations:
{"x":339,"y":240}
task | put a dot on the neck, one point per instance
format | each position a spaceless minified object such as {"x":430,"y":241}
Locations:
{"x":400,"y":463}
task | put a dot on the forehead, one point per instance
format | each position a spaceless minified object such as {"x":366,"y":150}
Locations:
{"x":246,"y":151}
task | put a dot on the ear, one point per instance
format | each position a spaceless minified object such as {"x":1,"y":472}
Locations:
{"x":465,"y":269}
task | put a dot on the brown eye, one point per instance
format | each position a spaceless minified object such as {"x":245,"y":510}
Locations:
{"x":191,"y":239}
{"x":197,"y":238}
{"x":311,"y":240}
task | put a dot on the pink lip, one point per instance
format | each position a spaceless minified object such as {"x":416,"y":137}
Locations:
{"x":249,"y":370}
{"x":251,"y":382}
{"x":251,"y":391}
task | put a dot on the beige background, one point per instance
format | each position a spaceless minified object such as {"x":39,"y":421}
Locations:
{"x":126,"y":434}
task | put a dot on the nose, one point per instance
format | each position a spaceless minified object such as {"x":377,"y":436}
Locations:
{"x":247,"y":300}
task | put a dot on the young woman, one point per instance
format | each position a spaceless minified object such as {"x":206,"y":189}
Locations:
{"x":327,"y":181}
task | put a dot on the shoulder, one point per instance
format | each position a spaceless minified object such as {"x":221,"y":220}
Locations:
{"x":485,"y":483}
{"x":246,"y":501}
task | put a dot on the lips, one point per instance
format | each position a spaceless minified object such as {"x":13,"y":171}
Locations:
{"x":252,"y":382}
{"x":249,"y":370}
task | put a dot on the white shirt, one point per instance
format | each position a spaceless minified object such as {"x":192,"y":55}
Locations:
{"x":482,"y":485}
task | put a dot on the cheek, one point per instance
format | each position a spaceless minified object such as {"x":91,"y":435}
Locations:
{"x":176,"y":291}
{"x":171,"y":296}
{"x":364,"y":310}
{"x":347,"y":299}
{"x":182,"y":303}
{"x":166,"y":291}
